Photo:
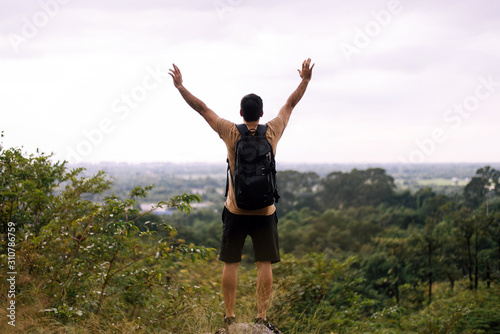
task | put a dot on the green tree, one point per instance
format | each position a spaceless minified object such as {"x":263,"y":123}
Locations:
{"x":477,"y":190}
{"x":297,"y":190}
{"x":447,"y":258}
{"x":423,"y":244}
{"x":423,"y":195}
{"x":27,"y":188}
{"x":357,"y":188}
{"x":395,"y":251}
{"x":493,"y":229}
{"x":465,"y":228}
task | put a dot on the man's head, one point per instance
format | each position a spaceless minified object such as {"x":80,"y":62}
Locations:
{"x":251,"y":107}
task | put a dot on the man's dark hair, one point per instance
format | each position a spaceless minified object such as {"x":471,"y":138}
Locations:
{"x":251,"y":107}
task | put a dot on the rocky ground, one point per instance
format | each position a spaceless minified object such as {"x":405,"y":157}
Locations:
{"x":247,"y":329}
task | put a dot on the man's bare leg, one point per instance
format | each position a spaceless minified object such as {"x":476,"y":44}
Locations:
{"x":229,"y":283}
{"x":264,"y":287}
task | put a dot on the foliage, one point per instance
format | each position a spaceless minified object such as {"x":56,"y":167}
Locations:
{"x":318,"y":294}
{"x":27,"y":187}
{"x":357,"y":256}
{"x":297,"y":191}
{"x":462,"y":312}
{"x":357,"y":188}
{"x":478,"y":189}
{"x":88,"y":256}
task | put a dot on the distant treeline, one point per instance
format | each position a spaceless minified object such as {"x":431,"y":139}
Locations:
{"x":209,"y":179}
{"x":397,"y":170}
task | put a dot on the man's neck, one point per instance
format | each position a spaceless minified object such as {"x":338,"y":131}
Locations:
{"x":251,"y":125}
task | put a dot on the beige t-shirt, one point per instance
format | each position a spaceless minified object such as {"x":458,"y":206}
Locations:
{"x":229,"y":134}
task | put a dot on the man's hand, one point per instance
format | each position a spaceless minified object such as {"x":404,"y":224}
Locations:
{"x":306,"y":72}
{"x":177,"y":76}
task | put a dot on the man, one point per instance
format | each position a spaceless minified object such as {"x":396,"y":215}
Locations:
{"x":260,"y":224}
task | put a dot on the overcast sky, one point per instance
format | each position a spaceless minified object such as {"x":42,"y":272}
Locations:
{"x":394,"y":81}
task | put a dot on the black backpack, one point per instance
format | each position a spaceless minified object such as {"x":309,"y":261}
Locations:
{"x":254,"y":178}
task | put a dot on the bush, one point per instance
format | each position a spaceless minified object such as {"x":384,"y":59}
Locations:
{"x":79,"y":254}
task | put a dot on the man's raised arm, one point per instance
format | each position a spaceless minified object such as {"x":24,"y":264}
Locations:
{"x":292,"y":101}
{"x":208,"y":114}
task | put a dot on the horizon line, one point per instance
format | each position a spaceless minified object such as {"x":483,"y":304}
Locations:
{"x":288,"y":163}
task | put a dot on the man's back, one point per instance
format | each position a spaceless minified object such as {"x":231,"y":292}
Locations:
{"x":230,"y":135}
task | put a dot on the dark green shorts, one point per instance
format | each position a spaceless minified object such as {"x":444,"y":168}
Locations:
{"x":262,"y":229}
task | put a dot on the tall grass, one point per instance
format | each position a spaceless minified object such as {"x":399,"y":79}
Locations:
{"x":202,"y":308}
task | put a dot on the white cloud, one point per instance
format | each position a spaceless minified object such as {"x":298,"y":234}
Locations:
{"x":63,"y":82}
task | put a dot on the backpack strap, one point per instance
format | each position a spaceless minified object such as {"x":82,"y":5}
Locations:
{"x":243,"y":129}
{"x":262,"y":129}
{"x":227,"y":177}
